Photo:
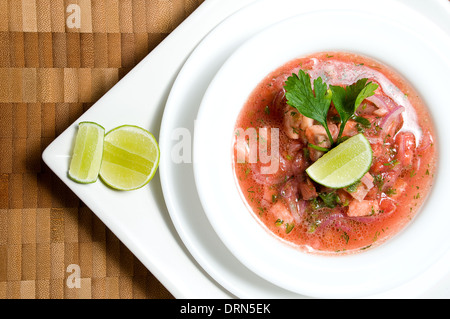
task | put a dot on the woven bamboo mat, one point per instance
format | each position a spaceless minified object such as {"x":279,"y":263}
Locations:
{"x":51,"y":71}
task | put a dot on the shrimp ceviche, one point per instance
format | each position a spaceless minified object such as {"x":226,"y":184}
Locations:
{"x":315,"y":104}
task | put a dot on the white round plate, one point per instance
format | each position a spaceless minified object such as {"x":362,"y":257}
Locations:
{"x":422,"y":60}
{"x":181,"y":109}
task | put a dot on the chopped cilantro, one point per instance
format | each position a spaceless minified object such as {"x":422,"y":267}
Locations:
{"x":314,"y":203}
{"x":362,"y":121}
{"x":393,"y":163}
{"x":261,"y":211}
{"x":306,"y":152}
{"x":375,"y":237}
{"x":391,"y":191}
{"x":313,"y":226}
{"x":359,"y":128}
{"x":378,"y":127}
{"x":346,"y":237}
{"x":378,"y":181}
{"x":289,"y":227}
{"x":353,"y":188}
{"x":330,"y":200}
{"x":274,"y":198}
{"x":385,"y":138}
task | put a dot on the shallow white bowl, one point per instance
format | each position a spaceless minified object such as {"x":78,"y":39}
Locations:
{"x":420,"y":56}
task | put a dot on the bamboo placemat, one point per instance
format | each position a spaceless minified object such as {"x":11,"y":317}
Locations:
{"x":54,"y":64}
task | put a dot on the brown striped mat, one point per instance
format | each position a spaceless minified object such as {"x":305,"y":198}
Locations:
{"x":51,"y":71}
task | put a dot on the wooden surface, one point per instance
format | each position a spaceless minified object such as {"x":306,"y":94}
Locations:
{"x":50,"y":74}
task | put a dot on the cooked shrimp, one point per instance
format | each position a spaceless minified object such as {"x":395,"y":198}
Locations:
{"x":295,"y":123}
{"x":307,"y":189}
{"x":350,"y":129}
{"x":317,"y":135}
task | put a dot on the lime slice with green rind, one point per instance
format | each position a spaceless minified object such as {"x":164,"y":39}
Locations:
{"x":130,"y":158}
{"x":344,"y":165}
{"x":87,"y":153}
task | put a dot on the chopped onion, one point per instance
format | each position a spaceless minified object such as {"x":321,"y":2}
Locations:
{"x":300,"y":211}
{"x":266,"y":179}
{"x":379,"y":102}
{"x":391,"y":116}
{"x":367,"y":181}
{"x":374,"y":140}
{"x":331,"y":218}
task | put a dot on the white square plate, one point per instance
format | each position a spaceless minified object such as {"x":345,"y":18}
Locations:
{"x":140,"y":218}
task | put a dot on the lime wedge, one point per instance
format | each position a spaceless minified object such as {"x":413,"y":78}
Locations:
{"x":344,"y":165}
{"x":87,"y":153}
{"x":130,"y":158}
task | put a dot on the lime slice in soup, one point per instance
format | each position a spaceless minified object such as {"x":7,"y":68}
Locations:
{"x":344,"y":165}
{"x":130,"y":157}
{"x":87,"y":153}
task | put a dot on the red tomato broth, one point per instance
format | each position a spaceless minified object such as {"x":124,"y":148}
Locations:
{"x":277,"y":200}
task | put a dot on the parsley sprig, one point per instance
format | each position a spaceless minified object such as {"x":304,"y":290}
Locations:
{"x":316,"y":104}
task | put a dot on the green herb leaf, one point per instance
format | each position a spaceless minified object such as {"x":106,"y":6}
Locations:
{"x":274,"y":198}
{"x":353,"y":188}
{"x":394,"y":162}
{"x":314,"y":105}
{"x":318,"y":148}
{"x":347,"y":100}
{"x":378,"y":181}
{"x":346,"y":237}
{"x":391,"y":191}
{"x":289,"y":227}
{"x":331,"y":200}
{"x":362,"y":120}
